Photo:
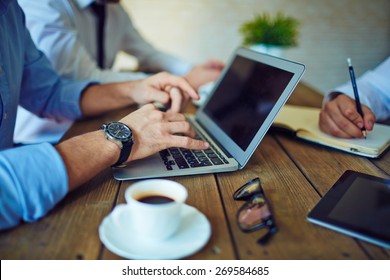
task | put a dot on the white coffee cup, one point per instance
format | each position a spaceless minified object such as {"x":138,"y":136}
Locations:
{"x":155,"y":221}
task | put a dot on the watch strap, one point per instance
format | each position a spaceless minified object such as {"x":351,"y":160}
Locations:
{"x":125,"y":146}
{"x":125,"y":152}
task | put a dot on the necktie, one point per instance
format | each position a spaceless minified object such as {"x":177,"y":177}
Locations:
{"x":100,"y":13}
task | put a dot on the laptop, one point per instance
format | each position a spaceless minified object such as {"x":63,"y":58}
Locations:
{"x":245,"y":100}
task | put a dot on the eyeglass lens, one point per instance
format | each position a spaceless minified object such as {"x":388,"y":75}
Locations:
{"x":253,"y":214}
{"x":249,"y":189}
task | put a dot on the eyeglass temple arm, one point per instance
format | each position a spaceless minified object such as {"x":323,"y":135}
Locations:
{"x":264,"y":239}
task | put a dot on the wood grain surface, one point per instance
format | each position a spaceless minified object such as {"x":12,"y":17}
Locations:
{"x":295,"y":175}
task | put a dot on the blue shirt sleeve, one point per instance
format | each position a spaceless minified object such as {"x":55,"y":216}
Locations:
{"x":25,"y":193}
{"x":58,"y":98}
{"x":32,"y":178}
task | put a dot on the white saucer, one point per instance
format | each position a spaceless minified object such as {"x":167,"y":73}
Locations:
{"x":116,"y":235}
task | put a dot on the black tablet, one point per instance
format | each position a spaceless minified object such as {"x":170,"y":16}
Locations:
{"x":358,"y":205}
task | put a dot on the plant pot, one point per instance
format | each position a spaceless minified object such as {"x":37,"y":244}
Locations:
{"x":268,"y":49}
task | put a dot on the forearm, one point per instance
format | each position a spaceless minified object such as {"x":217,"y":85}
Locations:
{"x":87,"y":155}
{"x":99,"y":99}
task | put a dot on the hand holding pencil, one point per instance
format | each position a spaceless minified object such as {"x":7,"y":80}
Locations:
{"x":345,"y":117}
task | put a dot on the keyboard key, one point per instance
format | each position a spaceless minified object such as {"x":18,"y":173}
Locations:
{"x":216,"y":161}
{"x":198,"y":153}
{"x":181,"y":163}
{"x":202,"y":158}
{"x":212,"y":155}
{"x":164,"y":153}
{"x":185,"y":158}
{"x":206,"y":163}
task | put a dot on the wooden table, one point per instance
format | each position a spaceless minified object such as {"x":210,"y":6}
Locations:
{"x":295,"y":175}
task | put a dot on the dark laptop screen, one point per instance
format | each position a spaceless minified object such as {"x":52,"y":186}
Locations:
{"x":245,"y":97}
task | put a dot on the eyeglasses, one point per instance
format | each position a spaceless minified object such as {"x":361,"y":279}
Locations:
{"x":256,"y":213}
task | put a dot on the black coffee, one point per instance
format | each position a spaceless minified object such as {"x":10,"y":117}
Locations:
{"x":155,"y":199}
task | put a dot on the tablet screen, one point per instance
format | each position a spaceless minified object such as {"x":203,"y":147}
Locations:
{"x":358,"y":204}
{"x":366,"y":205}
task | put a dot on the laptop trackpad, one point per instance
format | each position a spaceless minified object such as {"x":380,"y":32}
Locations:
{"x":151,"y":166}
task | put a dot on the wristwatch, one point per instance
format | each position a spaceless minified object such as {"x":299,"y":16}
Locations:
{"x":120,"y":134}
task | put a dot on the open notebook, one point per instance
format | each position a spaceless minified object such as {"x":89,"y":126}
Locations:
{"x":303,"y":121}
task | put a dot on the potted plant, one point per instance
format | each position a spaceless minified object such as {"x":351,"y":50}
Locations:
{"x":266,"y":34}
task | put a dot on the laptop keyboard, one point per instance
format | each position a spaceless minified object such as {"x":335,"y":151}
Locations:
{"x":185,"y":158}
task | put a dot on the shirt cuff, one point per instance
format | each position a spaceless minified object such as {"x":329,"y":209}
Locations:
{"x":34,"y":181}
{"x":71,"y":97}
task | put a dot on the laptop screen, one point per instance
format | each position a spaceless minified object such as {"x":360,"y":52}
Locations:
{"x":245,"y":97}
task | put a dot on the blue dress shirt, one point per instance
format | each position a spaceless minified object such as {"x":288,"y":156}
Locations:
{"x":32,"y":178}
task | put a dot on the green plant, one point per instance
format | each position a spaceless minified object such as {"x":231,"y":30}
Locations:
{"x":263,"y":29}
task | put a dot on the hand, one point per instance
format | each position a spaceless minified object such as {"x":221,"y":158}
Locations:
{"x":164,"y":88}
{"x":340,"y":118}
{"x":198,"y":76}
{"x":204,"y":73}
{"x":154,"y":130}
{"x":178,"y":100}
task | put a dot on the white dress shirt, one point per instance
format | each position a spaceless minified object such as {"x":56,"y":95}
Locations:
{"x":65,"y":30}
{"x":374,"y":90}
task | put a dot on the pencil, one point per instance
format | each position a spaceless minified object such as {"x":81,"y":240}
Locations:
{"x":356,"y":93}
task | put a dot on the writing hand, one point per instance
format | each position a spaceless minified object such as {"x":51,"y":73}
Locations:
{"x":340,"y":118}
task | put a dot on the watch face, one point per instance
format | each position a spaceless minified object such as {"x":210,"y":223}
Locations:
{"x":119,"y":131}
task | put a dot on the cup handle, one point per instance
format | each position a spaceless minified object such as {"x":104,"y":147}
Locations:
{"x":118,"y":216}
